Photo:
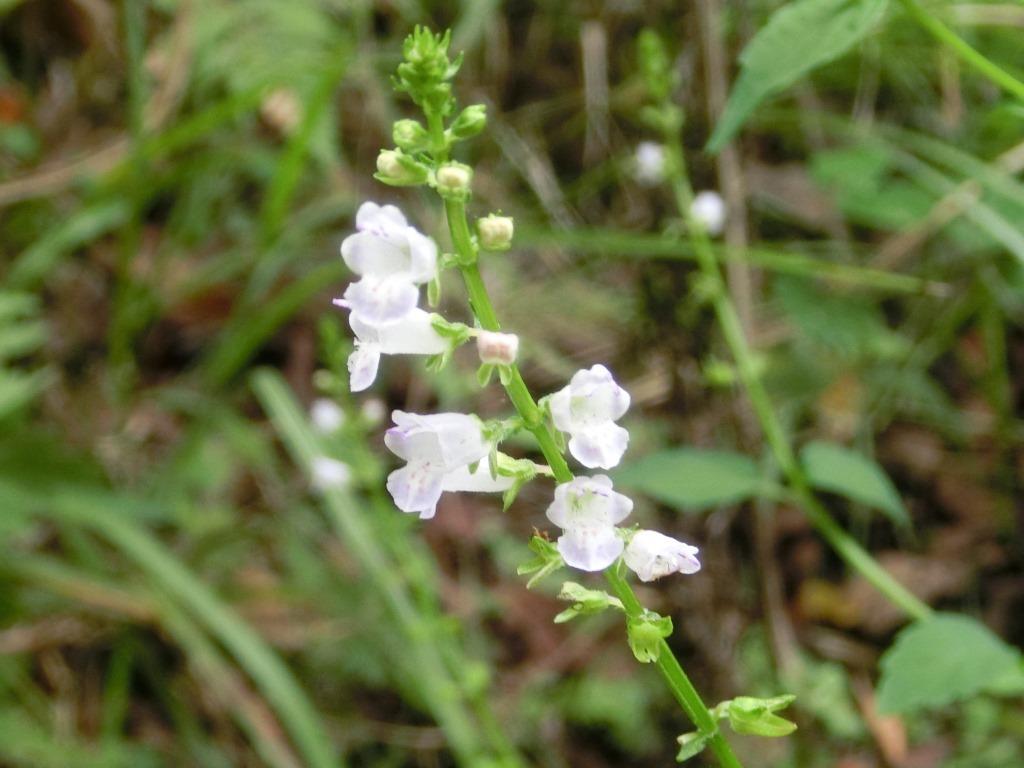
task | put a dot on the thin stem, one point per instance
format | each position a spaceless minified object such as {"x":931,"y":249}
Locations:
{"x":480,"y":301}
{"x":963,"y":49}
{"x":676,"y":678}
{"x":845,"y":545}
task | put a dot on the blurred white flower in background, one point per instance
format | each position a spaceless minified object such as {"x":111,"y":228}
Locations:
{"x":708,"y":210}
{"x":328,"y":473}
{"x":326,"y":415}
{"x":649,"y":163}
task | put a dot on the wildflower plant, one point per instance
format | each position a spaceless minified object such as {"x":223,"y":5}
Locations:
{"x":459,"y":451}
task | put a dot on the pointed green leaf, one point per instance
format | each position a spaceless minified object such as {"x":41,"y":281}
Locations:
{"x":693,"y":479}
{"x":838,"y":469}
{"x":799,"y":37}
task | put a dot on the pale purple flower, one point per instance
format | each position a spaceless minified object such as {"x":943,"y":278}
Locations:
{"x":587,"y":410}
{"x":438,"y":450}
{"x":392,"y":258}
{"x":414,"y":334}
{"x":653,"y":555}
{"x":587,"y":510}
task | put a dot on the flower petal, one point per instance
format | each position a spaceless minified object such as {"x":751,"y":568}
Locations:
{"x":416,"y":488}
{"x":381,"y":301}
{"x":366,"y":253}
{"x":591,"y":548}
{"x":362,"y":366}
{"x":599,"y":446}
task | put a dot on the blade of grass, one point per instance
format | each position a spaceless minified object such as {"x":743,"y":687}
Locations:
{"x":110,"y":516}
{"x":641,"y":245}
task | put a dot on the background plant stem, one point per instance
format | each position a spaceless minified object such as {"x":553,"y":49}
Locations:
{"x":845,"y":545}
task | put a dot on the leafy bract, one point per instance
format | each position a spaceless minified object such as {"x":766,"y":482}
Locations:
{"x":944,"y":659}
{"x":799,"y":37}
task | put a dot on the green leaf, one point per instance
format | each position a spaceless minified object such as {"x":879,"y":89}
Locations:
{"x":838,"y":469}
{"x":693,"y":479}
{"x":798,"y":38}
{"x":944,"y":659}
{"x":547,"y":560}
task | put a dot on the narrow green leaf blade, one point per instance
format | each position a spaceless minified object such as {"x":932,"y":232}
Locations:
{"x":799,"y":37}
{"x":838,"y":469}
{"x":944,"y":659}
{"x":693,"y":479}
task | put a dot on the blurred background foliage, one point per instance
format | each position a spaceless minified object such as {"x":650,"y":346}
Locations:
{"x":175,"y":178}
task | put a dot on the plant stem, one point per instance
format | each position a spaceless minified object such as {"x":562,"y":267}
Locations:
{"x":676,"y":678}
{"x":963,"y":49}
{"x":480,"y":302}
{"x":845,"y":545}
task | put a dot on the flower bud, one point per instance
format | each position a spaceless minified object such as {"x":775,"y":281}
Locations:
{"x":410,"y":136}
{"x":469,"y":122}
{"x":495,"y":232}
{"x":398,"y":169}
{"x":497,"y":348}
{"x":454,"y":180}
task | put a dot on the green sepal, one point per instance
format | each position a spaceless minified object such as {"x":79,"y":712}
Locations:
{"x":692,"y":744}
{"x":504,"y":374}
{"x":645,"y":633}
{"x":484,"y":374}
{"x":585,"y":602}
{"x":547,"y":561}
{"x":434,"y":291}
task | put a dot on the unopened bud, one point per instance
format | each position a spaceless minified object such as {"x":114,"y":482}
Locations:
{"x":497,"y":348}
{"x":469,"y":122}
{"x":454,"y":180}
{"x":495,"y":232}
{"x":410,"y":136}
{"x":399,"y":170}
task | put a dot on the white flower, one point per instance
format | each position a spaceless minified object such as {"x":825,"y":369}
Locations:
{"x":497,"y":348}
{"x":392,"y":258}
{"x":587,"y":509}
{"x":326,"y":416}
{"x":587,"y":409}
{"x":438,"y":450}
{"x":649,"y":163}
{"x":414,"y":334}
{"x":653,"y":555}
{"x":708,"y":210}
{"x":329,"y":473}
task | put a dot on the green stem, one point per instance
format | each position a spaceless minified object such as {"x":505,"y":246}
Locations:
{"x":480,"y":301}
{"x":676,"y":678}
{"x":963,"y":49}
{"x":732,"y":330}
